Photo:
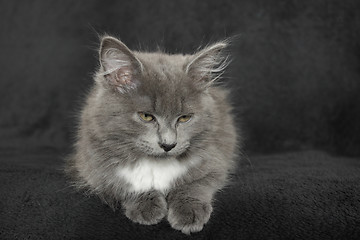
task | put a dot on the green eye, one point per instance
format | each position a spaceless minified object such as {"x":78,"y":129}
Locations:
{"x":184,"y":118}
{"x":146,"y":117}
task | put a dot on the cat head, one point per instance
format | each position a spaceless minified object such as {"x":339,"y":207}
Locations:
{"x":159,"y":104}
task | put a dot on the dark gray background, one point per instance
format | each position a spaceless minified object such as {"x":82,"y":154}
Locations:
{"x":295,"y":73}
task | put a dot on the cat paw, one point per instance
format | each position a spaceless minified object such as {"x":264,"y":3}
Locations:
{"x":189,"y":216}
{"x":147,"y":209}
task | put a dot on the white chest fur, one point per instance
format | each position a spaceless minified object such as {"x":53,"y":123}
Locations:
{"x":150,"y":174}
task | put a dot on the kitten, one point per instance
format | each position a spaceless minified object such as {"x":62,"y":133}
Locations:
{"x":156,"y":135}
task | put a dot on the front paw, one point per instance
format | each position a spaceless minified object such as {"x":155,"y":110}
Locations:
{"x":148,"y":209}
{"x":189,"y":215}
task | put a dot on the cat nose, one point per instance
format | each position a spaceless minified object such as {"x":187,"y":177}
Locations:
{"x":167,"y":147}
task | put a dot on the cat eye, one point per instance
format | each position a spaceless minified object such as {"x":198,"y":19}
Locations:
{"x":184,"y":118}
{"x":146,"y":117}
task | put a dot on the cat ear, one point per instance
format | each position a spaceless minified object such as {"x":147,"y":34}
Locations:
{"x":208,"y":65}
{"x":119,"y":65}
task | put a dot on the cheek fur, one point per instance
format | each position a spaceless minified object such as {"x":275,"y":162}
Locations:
{"x":151,"y":137}
{"x":148,"y":137}
{"x":185,"y":131}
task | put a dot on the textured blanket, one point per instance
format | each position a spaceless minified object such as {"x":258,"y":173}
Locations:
{"x":302,"y":195}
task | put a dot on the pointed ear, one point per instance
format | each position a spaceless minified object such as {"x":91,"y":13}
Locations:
{"x":118,"y":64}
{"x":207,"y":65}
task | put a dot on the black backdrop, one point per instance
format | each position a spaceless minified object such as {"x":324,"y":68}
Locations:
{"x":295,"y":70}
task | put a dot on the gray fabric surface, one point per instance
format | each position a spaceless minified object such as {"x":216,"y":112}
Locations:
{"x":300,"y":195}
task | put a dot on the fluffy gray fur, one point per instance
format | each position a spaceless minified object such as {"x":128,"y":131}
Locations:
{"x":112,"y":136}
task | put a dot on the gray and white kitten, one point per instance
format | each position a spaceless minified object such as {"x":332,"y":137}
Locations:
{"x":156,"y":135}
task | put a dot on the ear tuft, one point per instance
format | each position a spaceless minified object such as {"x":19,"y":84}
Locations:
{"x":208,"y":65}
{"x":119,"y":65}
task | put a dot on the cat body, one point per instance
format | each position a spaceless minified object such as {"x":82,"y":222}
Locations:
{"x":156,"y":135}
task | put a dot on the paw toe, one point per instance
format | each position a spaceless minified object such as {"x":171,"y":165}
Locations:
{"x":191,"y":218}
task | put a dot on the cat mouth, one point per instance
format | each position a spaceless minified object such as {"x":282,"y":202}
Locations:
{"x":164,"y":155}
{"x":160,"y":155}
{"x":175,"y":153}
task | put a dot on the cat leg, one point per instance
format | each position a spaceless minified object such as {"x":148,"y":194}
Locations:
{"x":146,"y":208}
{"x":190,"y":206}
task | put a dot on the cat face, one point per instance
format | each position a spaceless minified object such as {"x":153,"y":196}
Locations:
{"x":156,"y":104}
{"x":168,"y":129}
{"x":164,"y":136}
